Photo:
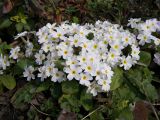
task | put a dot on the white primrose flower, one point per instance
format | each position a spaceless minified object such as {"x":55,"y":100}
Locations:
{"x":105,"y":83}
{"x":133,"y":22}
{"x":135,"y":52}
{"x":42,"y":73}
{"x":85,"y":79}
{"x":58,"y":76}
{"x":126,"y":62}
{"x":75,"y":40}
{"x":46,"y":47}
{"x":157,"y":58}
{"x":50,"y":69}
{"x":14,"y":52}
{"x":91,"y":62}
{"x":65,"y":52}
{"x":29,"y":73}
{"x":144,"y":38}
{"x":39,"y":57}
{"x":29,"y":49}
{"x":4,"y":62}
{"x":72,"y":61}
{"x":73,"y":72}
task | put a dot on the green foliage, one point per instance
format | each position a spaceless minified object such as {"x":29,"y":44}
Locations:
{"x":5,"y":24}
{"x":21,"y":64}
{"x":141,"y":78}
{"x":86,"y":100}
{"x":90,"y":36}
{"x":117,"y":78}
{"x":70,"y":87}
{"x":145,"y":58}
{"x":3,"y":47}
{"x":8,"y":81}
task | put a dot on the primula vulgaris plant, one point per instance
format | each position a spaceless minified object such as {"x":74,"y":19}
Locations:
{"x":86,"y":53}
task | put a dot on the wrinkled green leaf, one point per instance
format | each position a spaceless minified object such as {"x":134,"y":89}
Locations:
{"x":56,"y":90}
{"x":43,"y":86}
{"x":70,"y":87}
{"x":97,"y":116}
{"x":86,"y":100}
{"x":19,"y":27}
{"x":117,"y":79}
{"x":6,"y":23}
{"x":8,"y":81}
{"x":145,"y":58}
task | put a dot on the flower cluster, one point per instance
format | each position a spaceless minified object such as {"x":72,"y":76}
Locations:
{"x":87,"y":53}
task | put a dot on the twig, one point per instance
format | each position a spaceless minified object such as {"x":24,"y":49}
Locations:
{"x":91,"y":113}
{"x":39,"y":110}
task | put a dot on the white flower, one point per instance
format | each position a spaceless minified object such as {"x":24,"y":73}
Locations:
{"x":42,"y":73}
{"x":135,"y":52}
{"x":50,"y":69}
{"x":144,"y":38}
{"x":133,"y":22}
{"x":72,"y":61}
{"x":66,"y":52}
{"x":73,"y":72}
{"x":75,"y":40}
{"x":157,"y":58}
{"x":126,"y":62}
{"x":58,"y":76}
{"x":106,"y":70}
{"x":85,"y":79}
{"x":39,"y":57}
{"x":47,"y":47}
{"x":105,"y":84}
{"x":29,"y":49}
{"x":4,"y":62}
{"x":29,"y":73}
{"x":14,"y":52}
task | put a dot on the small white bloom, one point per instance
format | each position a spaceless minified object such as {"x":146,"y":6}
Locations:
{"x":14,"y":52}
{"x":85,"y":79}
{"x":39,"y":57}
{"x":29,"y":73}
{"x":73,"y":72}
{"x":4,"y":62}
{"x":126,"y":62}
{"x":42,"y":73}
{"x":157,"y":58}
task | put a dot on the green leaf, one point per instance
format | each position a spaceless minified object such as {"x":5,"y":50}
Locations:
{"x":8,"y":81}
{"x":4,"y":46}
{"x":150,"y":90}
{"x":97,"y":116}
{"x":145,"y":58}
{"x":5,"y":24}
{"x":70,"y":87}
{"x":86,"y":100}
{"x":19,"y":27}
{"x":90,"y":36}
{"x":1,"y":87}
{"x":21,"y":64}
{"x":126,"y":114}
{"x":75,"y":19}
{"x":56,"y":90}
{"x":117,"y":78}
{"x":43,"y":86}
